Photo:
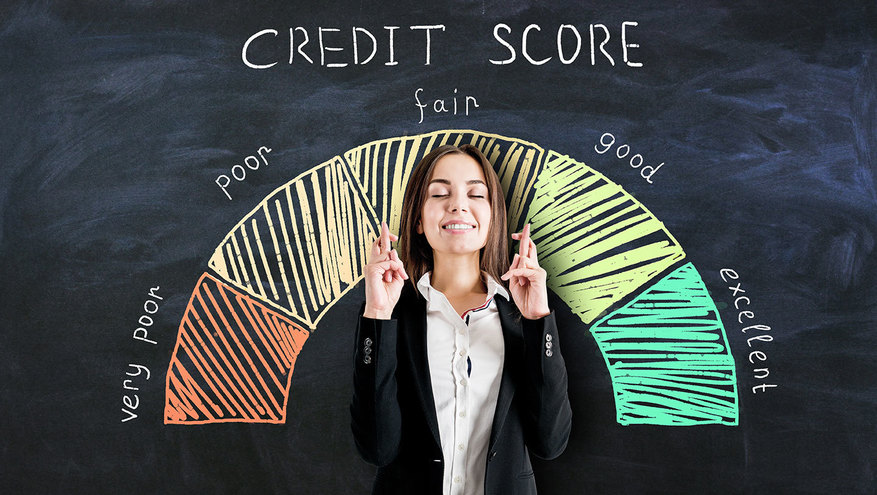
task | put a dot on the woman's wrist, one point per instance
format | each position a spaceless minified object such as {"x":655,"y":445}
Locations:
{"x":537,"y":315}
{"x":377,"y":315}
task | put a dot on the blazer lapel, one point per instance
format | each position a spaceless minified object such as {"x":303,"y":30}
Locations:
{"x":415,"y":329}
{"x":513,"y":340}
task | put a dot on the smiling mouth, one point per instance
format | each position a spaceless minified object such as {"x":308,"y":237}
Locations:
{"x":457,"y":226}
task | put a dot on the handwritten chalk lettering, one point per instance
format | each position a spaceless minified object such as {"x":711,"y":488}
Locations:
{"x":598,"y":37}
{"x":150,"y":307}
{"x":756,"y":356}
{"x":239,"y":172}
{"x":332,"y":45}
{"x":607,"y":140}
{"x":131,"y":401}
{"x":440,"y":105}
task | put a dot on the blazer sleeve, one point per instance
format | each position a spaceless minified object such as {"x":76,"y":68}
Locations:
{"x":547,"y":414}
{"x":375,"y":415}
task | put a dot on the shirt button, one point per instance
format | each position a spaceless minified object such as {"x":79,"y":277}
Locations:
{"x":458,"y":479}
{"x":463,"y":382}
{"x":462,"y":353}
{"x":462,"y":414}
{"x":461,"y":331}
{"x":461,"y":447}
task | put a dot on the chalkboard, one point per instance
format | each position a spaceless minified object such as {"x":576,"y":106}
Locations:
{"x":186,"y":186}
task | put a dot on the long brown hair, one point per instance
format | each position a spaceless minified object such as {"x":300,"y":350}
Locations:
{"x":414,"y":250}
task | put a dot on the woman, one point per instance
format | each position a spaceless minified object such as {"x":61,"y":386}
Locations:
{"x":453,"y":383}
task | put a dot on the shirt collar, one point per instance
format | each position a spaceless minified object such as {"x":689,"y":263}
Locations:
{"x":493,"y":287}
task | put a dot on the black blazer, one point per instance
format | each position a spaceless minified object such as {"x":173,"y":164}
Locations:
{"x":393,"y":412}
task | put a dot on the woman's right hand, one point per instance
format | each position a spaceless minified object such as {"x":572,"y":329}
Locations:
{"x":384,"y":277}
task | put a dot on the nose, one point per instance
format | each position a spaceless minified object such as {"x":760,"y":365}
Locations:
{"x":459,"y":202}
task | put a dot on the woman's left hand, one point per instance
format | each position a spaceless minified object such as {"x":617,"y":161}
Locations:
{"x":527,"y":280}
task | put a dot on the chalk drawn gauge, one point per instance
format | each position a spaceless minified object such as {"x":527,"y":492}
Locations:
{"x":284,"y":265}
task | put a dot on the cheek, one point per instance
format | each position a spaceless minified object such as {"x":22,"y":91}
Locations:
{"x":427,"y":218}
{"x":484,"y":217}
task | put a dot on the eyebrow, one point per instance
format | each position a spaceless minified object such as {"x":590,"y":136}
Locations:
{"x":447,"y":182}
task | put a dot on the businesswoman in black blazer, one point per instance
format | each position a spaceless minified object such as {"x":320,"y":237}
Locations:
{"x":456,"y":382}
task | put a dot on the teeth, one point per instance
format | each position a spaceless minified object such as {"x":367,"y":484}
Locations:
{"x":458,"y":226}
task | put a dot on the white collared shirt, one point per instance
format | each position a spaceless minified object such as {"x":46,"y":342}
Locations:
{"x":465,"y":366}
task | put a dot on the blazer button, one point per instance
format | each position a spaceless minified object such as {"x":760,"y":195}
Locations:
{"x":492,"y":455}
{"x":367,"y":359}
{"x":548,"y":337}
{"x":367,"y":341}
{"x":548,"y":352}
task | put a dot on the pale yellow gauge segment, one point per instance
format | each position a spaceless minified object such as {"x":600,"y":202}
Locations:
{"x":303,"y":246}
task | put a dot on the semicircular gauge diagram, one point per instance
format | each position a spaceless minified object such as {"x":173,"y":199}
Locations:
{"x":284,"y":265}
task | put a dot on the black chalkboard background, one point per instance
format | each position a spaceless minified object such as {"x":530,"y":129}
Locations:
{"x":117,"y":117}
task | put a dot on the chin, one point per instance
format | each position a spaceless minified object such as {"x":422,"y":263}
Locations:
{"x":461,"y":249}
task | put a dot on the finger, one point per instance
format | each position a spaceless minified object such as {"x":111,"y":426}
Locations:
{"x":530,"y":264}
{"x":533,"y":256}
{"x":376,"y":248}
{"x":402,"y":274}
{"x":523,"y":264}
{"x":396,"y":270}
{"x":386,"y":265}
{"x":379,"y":258}
{"x":395,"y":256}
{"x":513,"y":278}
{"x":385,"y":237}
{"x":525,"y":238}
{"x":530,"y":274}
{"x":388,"y":271}
{"x":376,"y":254}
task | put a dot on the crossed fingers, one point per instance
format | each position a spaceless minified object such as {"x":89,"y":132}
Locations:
{"x":386,"y":258}
{"x":525,"y":266}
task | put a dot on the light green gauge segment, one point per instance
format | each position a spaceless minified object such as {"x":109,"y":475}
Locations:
{"x":596,"y":241}
{"x":668,"y":356}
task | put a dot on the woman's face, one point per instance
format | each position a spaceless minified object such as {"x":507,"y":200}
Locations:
{"x":456,"y":212}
